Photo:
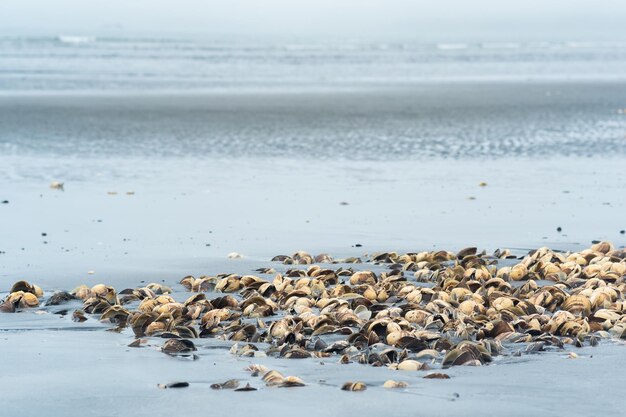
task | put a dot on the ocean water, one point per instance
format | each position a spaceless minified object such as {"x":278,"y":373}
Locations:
{"x":71,"y":62}
{"x":76,"y":96}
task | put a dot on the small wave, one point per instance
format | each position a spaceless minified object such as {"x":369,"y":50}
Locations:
{"x":579,"y":44}
{"x":75,"y":40}
{"x":500,"y":45}
{"x":320,"y":47}
{"x":451,"y":46}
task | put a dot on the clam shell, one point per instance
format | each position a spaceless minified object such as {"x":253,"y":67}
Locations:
{"x":354,"y":386}
{"x":395,"y":384}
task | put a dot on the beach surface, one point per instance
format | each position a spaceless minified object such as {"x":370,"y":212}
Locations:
{"x":160,"y":185}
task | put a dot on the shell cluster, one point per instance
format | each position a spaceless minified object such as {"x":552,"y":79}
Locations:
{"x":421,"y":311}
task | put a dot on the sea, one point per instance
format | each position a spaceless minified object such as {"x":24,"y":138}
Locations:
{"x":78,"y":62}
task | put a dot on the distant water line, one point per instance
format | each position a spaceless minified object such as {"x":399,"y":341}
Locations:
{"x":86,"y":62}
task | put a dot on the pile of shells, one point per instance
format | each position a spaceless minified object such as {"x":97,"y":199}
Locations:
{"x":426,"y":310}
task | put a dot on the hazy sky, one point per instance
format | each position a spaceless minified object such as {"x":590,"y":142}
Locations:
{"x":448,"y":18}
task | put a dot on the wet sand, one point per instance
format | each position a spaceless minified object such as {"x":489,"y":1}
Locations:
{"x":94,"y":374}
{"x":199,"y":196}
{"x":263,"y":208}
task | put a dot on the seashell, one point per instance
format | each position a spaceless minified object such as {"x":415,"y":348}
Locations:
{"x":427,"y":354}
{"x":257,"y":369}
{"x":518,"y":272}
{"x":354,"y":386}
{"x":20,"y":299}
{"x":105,"y":292}
{"x":229,"y":284}
{"x":136,"y":343}
{"x":362,"y":312}
{"x":578,"y":305}
{"x":173,"y":385}
{"x":535,"y":347}
{"x":224,"y":302}
{"x":60,"y":297}
{"x":324,"y":258}
{"x":437,"y":375}
{"x":246,"y":388}
{"x":115,"y":314}
{"x":502,"y":303}
{"x":495,"y":329}
{"x":417,"y":316}
{"x":178,"y":346}
{"x":410,"y":365}
{"x":411,"y":343}
{"x":603,"y":247}
{"x":466,"y":354}
{"x":291,"y":381}
{"x":245,"y":333}
{"x":273,"y":378}
{"x":7,"y":306}
{"x":395,"y":384}
{"x":466,"y":252}
{"x":363,"y":277}
{"x":345,"y":359}
{"x":297,"y":353}
{"x":78,"y":316}
{"x":302,"y":258}
{"x":27,"y":288}
{"x":230,"y":384}
{"x":337,"y":347}
{"x":83,"y":292}
{"x":56,"y":185}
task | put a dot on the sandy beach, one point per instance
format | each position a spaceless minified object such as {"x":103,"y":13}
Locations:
{"x":161,"y":185}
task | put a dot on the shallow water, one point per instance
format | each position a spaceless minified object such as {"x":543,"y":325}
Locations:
{"x":92,"y":62}
{"x":414,"y":121}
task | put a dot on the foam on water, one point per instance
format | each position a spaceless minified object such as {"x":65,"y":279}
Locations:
{"x":75,"y":40}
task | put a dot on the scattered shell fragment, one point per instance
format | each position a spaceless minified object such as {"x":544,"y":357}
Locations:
{"x":230,"y":384}
{"x":246,"y":388}
{"x":178,"y":346}
{"x":395,"y":384}
{"x":60,"y":297}
{"x":437,"y":375}
{"x":256,"y":369}
{"x":354,"y":386}
{"x":79,"y":316}
{"x":174,"y":385}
